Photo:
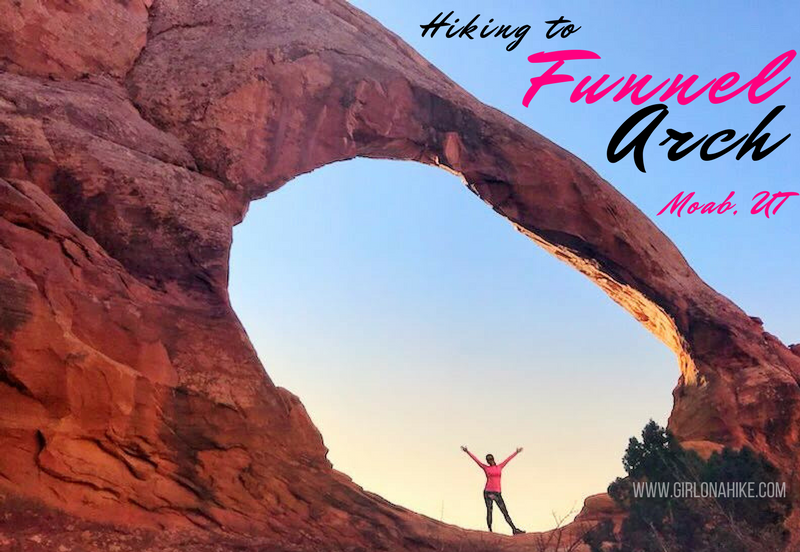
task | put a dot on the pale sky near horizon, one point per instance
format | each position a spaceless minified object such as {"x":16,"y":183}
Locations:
{"x":410,"y":319}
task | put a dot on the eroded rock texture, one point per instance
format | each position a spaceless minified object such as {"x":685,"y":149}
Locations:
{"x":134,"y":136}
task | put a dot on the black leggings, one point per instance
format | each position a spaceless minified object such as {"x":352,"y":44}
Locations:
{"x":489,"y":497}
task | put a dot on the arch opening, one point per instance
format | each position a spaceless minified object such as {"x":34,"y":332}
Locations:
{"x":411,"y":320}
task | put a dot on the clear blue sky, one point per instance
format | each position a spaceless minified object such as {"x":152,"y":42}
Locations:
{"x":411,"y":319}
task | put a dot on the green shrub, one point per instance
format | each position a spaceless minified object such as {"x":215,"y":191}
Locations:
{"x":674,"y":523}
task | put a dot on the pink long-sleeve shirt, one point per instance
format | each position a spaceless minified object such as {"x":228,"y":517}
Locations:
{"x":493,"y":473}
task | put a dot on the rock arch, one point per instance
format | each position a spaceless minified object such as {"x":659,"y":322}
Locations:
{"x":122,"y":176}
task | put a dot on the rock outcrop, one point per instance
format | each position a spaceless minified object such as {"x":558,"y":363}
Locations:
{"x":134,"y":136}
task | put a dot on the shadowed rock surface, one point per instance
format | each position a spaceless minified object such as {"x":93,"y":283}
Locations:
{"x":134,"y":136}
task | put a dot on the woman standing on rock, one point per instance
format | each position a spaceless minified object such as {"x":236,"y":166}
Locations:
{"x":491,"y":492}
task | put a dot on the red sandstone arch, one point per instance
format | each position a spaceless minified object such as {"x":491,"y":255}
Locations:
{"x":128,"y":387}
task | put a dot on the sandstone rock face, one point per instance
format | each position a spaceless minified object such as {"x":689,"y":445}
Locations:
{"x":597,"y":508}
{"x":135,"y":140}
{"x":53,"y":38}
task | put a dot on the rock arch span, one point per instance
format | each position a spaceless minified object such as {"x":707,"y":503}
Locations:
{"x":129,"y":389}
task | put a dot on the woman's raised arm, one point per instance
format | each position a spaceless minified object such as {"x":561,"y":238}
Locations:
{"x":481,"y":464}
{"x":507,"y":460}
